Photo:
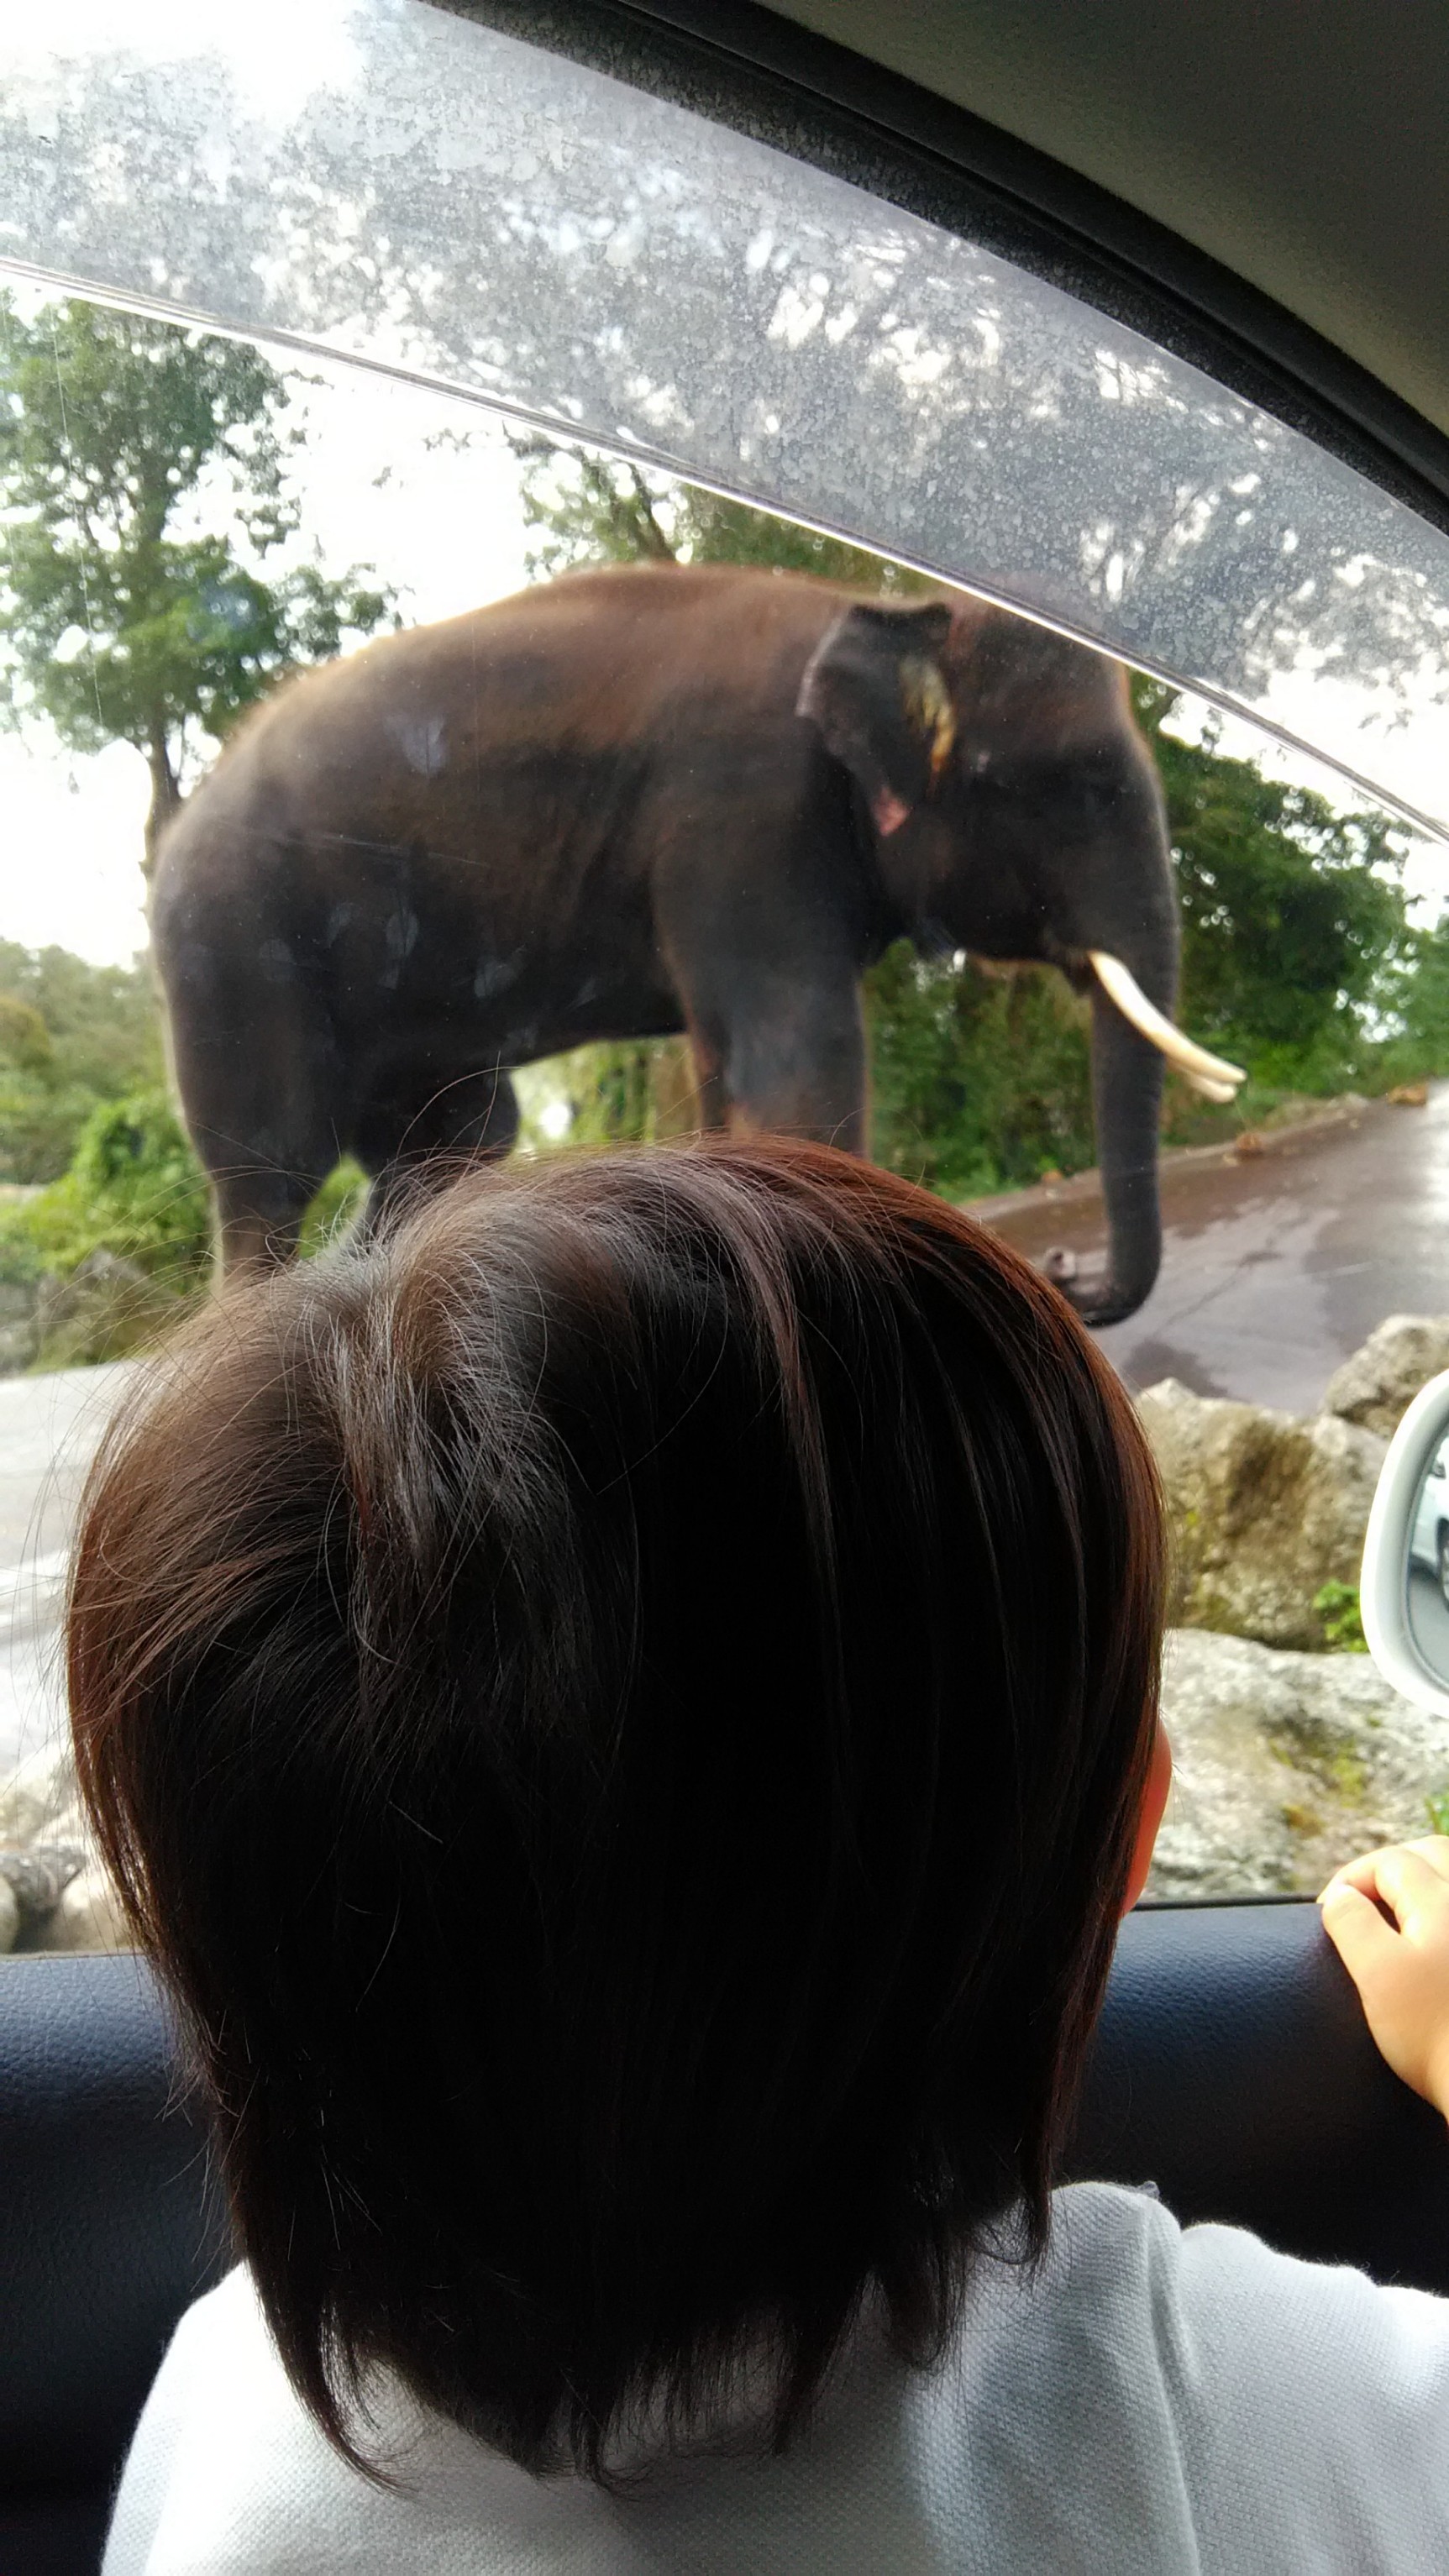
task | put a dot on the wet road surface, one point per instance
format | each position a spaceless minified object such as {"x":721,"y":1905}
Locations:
{"x":49,"y":1427}
{"x":1276,"y":1266}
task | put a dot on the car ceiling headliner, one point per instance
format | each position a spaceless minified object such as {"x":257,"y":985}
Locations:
{"x":1303,"y":144}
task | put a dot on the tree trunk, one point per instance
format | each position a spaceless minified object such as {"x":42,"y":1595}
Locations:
{"x":165,"y":794}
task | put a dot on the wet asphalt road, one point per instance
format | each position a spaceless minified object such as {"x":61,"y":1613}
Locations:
{"x":1277,"y":1266}
{"x":49,"y":1427}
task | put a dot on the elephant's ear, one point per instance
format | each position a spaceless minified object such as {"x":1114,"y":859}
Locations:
{"x":875,"y":688}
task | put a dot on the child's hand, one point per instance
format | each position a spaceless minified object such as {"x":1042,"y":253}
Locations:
{"x":1401,"y":1968}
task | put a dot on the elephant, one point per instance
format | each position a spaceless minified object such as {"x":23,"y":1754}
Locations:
{"x":640,"y":800}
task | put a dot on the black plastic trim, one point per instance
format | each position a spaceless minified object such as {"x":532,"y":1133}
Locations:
{"x":742,"y":66}
{"x":1233,"y":2068}
{"x":1215,"y":1904}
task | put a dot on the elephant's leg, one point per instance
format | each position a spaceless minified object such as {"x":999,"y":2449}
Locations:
{"x":426,"y":1126}
{"x":790,"y":1048}
{"x":259,"y":1214}
{"x":708,"y":1051}
{"x":261,"y":1080}
{"x":267,"y":1142}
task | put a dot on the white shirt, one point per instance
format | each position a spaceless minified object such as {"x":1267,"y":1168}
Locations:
{"x":1151,"y":2399}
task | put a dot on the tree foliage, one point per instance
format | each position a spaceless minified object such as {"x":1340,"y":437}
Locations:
{"x":592,"y":509}
{"x":979,"y":1081}
{"x":71,"y":1036}
{"x":1291,"y":913}
{"x":143,"y":483}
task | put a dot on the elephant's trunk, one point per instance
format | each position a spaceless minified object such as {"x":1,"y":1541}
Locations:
{"x":1126,"y":1104}
{"x":1131,"y":1037}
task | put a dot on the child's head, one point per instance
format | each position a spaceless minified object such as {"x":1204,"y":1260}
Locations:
{"x":621,"y":1712}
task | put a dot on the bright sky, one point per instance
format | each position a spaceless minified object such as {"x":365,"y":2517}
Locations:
{"x":442,"y":522}
{"x":277,"y":51}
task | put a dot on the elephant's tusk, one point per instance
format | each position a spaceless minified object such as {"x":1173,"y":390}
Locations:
{"x":1203,"y":1070}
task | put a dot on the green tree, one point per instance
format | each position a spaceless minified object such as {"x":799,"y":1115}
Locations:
{"x":1413,"y":997}
{"x":71,"y":1035}
{"x":128,"y":614}
{"x":601,"y":509}
{"x":1292,"y":914}
{"x":979,"y":1080}
{"x":101,"y":1020}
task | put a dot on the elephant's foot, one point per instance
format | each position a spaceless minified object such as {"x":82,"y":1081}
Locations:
{"x":1093,"y":1293}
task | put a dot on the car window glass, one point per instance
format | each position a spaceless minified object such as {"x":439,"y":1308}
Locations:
{"x":303,"y":362}
{"x":429,"y":197}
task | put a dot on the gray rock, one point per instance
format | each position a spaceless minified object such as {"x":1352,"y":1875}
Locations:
{"x":54,"y":1893}
{"x":1284,"y":1766}
{"x":88,"y":1916}
{"x":107,"y":1307}
{"x":38,"y":1878}
{"x":1263,"y":1509}
{"x":19,"y":1326}
{"x":1377,"y":1385}
{"x":101,"y":1269}
{"x":37,"y":1795}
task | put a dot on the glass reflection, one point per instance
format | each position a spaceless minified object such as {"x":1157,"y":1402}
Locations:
{"x":1427,"y":1573}
{"x":439,"y":201}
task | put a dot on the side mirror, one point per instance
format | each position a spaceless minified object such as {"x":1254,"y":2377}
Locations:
{"x":1404,"y":1589}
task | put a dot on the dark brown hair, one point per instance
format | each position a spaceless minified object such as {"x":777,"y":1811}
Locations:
{"x":619,"y":1711}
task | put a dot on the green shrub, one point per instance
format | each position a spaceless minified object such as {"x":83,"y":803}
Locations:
{"x":1337,"y":1606}
{"x":979,"y":1082}
{"x":134,"y":1188}
{"x":71,"y":1035}
{"x":334,"y":1207}
{"x":134,"y":1193}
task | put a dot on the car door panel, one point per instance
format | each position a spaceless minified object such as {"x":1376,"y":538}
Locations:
{"x":1232,"y":2069}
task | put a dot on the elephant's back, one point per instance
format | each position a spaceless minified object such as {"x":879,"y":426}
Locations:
{"x":420,"y":737}
{"x":594,"y":659}
{"x":591,"y":656}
